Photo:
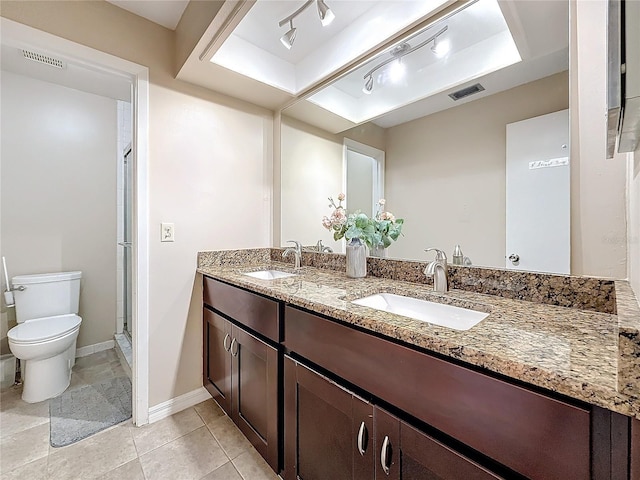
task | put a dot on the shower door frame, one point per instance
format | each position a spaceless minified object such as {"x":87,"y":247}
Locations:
{"x":127,"y":244}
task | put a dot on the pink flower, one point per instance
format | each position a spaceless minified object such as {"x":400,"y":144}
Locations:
{"x":387,"y":216}
{"x":338,"y":217}
{"x":382,"y":201}
{"x":326,"y":223}
{"x":341,"y":197}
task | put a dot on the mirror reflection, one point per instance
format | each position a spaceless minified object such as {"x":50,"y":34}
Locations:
{"x":470,"y":172}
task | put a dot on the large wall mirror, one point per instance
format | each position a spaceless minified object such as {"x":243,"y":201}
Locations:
{"x":448,"y":164}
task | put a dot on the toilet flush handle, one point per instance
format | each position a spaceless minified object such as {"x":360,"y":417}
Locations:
{"x":21,"y":288}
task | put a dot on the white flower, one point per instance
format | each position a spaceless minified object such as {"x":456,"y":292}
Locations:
{"x":382,"y":201}
{"x":326,"y":223}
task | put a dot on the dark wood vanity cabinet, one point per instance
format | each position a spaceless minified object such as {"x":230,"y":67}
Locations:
{"x":416,"y":415}
{"x":328,"y":430}
{"x":331,"y":433}
{"x":532,"y":434}
{"x":241,"y":369}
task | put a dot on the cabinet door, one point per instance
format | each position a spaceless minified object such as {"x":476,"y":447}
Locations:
{"x":217,"y":361}
{"x":328,"y":430}
{"x":255,"y":393}
{"x":409,"y":454}
{"x":387,"y":446}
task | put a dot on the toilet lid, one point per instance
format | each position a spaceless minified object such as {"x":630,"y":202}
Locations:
{"x":43,"y":329}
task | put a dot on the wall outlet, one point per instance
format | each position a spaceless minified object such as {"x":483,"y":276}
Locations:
{"x":167,"y":232}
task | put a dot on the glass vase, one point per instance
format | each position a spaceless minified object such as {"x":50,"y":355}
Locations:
{"x":356,"y":259}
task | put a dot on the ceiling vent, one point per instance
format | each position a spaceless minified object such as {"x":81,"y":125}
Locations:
{"x":465,"y":92}
{"x":45,"y":59}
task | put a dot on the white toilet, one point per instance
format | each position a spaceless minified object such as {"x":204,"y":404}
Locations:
{"x":45,"y":337}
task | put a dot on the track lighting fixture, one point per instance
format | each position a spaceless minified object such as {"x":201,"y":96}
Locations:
{"x":368,"y":85}
{"x":324,"y":12}
{"x":400,"y":51}
{"x":288,"y":38}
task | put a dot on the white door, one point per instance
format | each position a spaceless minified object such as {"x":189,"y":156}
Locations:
{"x":363,"y":172}
{"x":538,"y":197}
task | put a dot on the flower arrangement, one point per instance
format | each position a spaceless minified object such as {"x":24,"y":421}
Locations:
{"x":375,"y":232}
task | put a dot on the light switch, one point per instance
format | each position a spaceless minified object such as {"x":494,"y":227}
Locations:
{"x":167,"y":232}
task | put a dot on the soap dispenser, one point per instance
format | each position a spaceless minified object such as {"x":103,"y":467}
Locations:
{"x":458,"y":257}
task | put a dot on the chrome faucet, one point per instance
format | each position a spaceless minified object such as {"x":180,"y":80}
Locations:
{"x":296,"y":250}
{"x":321,"y":248}
{"x":438,"y":268}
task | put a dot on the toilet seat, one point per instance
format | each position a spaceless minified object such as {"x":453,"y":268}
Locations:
{"x":45,"y":329}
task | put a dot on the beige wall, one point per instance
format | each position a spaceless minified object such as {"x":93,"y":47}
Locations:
{"x":598,"y":203}
{"x":445,"y":173}
{"x":311,"y":172}
{"x":210,"y":174}
{"x":59,"y":193}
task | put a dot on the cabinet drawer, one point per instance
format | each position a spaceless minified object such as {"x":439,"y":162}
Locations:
{"x":535,"y":435}
{"x":255,"y":312}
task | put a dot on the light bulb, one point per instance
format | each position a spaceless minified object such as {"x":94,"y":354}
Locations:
{"x":440,"y":47}
{"x":397,"y":71}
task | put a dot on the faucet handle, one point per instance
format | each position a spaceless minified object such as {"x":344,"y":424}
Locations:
{"x":440,"y":255}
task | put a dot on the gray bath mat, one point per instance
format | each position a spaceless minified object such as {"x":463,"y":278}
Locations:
{"x":76,"y":414}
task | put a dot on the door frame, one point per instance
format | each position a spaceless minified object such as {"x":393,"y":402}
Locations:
{"x":19,"y":34}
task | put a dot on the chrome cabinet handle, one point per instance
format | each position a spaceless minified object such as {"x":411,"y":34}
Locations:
{"x":224,"y":342}
{"x":384,"y":454}
{"x":362,"y":438}
{"x":234,"y":352}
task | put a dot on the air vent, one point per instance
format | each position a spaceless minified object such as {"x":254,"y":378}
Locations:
{"x":465,"y":92}
{"x":47,"y":60}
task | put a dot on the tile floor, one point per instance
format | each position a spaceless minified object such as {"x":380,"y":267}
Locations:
{"x":200,"y":443}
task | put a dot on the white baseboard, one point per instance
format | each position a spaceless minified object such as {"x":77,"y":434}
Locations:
{"x":96,"y":347}
{"x":177,"y":404}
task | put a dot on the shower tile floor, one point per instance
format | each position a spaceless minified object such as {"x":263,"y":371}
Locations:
{"x":199,"y":443}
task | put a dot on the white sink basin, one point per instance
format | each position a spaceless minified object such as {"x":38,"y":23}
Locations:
{"x":270,"y":274}
{"x":437,"y":313}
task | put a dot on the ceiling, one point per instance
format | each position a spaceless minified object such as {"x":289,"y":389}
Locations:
{"x":539,"y":28}
{"x":254,"y":48}
{"x":253,"y":58}
{"x":163,"y":12}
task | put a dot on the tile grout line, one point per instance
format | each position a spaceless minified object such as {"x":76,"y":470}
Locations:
{"x":173,"y":439}
{"x":135,"y":447}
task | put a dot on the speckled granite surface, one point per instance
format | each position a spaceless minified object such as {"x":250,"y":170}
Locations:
{"x":563,"y":290}
{"x":588,"y":355}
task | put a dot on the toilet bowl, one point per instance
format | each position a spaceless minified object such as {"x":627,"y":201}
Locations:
{"x":44,"y":345}
{"x":45,"y":337}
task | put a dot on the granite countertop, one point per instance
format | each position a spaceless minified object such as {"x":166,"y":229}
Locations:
{"x":584,"y":354}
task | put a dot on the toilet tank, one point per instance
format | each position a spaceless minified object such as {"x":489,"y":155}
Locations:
{"x":46,"y":294}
